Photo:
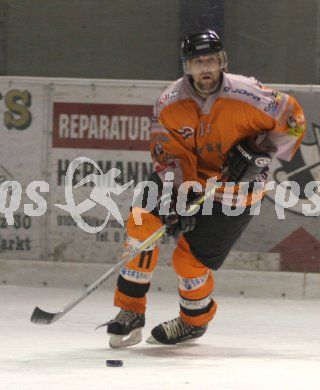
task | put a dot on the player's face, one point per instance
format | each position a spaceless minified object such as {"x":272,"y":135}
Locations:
{"x":205,"y":71}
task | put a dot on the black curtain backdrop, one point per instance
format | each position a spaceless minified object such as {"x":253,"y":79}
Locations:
{"x":196,"y":15}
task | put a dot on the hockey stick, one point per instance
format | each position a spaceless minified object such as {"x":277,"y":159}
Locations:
{"x":42,"y":317}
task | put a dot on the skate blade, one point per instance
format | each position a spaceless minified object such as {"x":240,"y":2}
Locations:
{"x":120,"y":341}
{"x":152,"y":340}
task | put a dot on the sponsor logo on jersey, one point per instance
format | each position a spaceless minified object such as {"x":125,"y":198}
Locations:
{"x":296,"y":125}
{"x":188,"y":284}
{"x":292,"y":123}
{"x":133,"y":275}
{"x":242,"y":92}
{"x":186,"y":132}
{"x":162,"y":159}
{"x":166,"y":97}
{"x":195,"y":305}
{"x":273,"y":106}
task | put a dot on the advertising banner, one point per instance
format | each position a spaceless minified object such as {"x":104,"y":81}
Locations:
{"x":71,"y":149}
{"x":105,"y":131}
{"x":23,"y":150}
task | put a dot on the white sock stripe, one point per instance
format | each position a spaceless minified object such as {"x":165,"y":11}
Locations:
{"x":136,"y":276}
{"x":195,"y":305}
{"x":187,"y":284}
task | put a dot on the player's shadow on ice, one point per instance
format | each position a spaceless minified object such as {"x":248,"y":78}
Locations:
{"x":204,"y":351}
{"x":189,"y":350}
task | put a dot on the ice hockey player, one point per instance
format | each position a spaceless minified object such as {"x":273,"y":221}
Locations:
{"x":209,"y":123}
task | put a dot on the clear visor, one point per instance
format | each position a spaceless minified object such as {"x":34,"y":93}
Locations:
{"x":206,"y":63}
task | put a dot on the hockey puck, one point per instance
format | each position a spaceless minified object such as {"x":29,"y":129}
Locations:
{"x":114,"y":363}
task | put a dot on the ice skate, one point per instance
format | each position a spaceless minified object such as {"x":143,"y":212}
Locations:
{"x":125,"y":329}
{"x":174,"y":332}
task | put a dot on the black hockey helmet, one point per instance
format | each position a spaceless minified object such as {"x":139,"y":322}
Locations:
{"x":201,"y":43}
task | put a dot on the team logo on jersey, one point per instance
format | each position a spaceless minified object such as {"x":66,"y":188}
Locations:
{"x":303,"y":169}
{"x":296,"y":125}
{"x":186,"y":132}
{"x":162,"y":159}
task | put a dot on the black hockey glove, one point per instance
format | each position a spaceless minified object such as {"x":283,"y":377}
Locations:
{"x":176,"y":224}
{"x":246,"y":161}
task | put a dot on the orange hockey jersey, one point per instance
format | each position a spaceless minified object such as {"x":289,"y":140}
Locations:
{"x":192,"y":137}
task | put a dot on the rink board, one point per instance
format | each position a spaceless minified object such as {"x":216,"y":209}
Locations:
{"x":47,"y":123}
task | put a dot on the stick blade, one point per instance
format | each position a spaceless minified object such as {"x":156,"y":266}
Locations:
{"x":42,"y":317}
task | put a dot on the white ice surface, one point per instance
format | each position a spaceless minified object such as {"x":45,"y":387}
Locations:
{"x":252,"y":344}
